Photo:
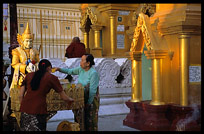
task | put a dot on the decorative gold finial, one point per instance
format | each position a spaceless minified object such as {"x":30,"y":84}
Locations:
{"x":26,"y":35}
{"x":27,"y":30}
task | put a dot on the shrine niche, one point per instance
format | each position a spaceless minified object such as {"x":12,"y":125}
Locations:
{"x":88,"y":14}
{"x":107,"y":36}
{"x":157,"y":49}
{"x":91,"y":27}
{"x":167,"y":44}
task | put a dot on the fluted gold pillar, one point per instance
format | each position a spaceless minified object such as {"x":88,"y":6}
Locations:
{"x":112,"y":17}
{"x":86,"y":39}
{"x":96,"y":35}
{"x":156,"y":56}
{"x":184,"y":41}
{"x":136,"y":76}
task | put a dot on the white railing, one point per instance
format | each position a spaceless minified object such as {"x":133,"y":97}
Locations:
{"x":53,"y":28}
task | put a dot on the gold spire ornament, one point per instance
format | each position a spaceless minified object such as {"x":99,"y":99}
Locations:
{"x":26,"y":35}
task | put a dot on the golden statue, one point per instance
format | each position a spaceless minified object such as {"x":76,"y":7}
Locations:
{"x":25,"y":58}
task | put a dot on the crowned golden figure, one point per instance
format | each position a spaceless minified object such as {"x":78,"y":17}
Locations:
{"x":25,"y":59}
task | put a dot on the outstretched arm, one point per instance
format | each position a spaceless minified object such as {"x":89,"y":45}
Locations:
{"x":66,"y":98}
{"x":58,"y":88}
{"x":72,"y":71}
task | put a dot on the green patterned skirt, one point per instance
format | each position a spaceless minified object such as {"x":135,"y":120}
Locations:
{"x":88,"y":116}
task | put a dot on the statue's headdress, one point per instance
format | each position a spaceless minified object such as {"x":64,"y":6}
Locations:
{"x":26,"y":35}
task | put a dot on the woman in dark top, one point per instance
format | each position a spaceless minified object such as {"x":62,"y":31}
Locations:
{"x":32,"y":96}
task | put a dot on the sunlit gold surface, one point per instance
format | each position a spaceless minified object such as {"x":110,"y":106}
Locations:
{"x":20,"y":57}
{"x":53,"y":70}
{"x":88,"y":13}
{"x":112,"y":33}
{"x":97,"y":38}
{"x":136,"y":77}
{"x":106,"y":15}
{"x":96,"y":35}
{"x":184,"y":72}
{"x":141,"y":29}
{"x":156,"y":83}
{"x":156,"y":56}
{"x":26,"y":35}
{"x":86,"y":39}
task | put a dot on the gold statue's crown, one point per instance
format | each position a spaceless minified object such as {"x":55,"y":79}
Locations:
{"x":26,"y":35}
{"x":27,"y":30}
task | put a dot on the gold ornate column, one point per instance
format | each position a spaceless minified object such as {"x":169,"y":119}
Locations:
{"x":86,"y":39}
{"x":97,"y":50}
{"x":156,"y":56}
{"x":136,"y":76}
{"x":96,"y":35}
{"x":112,"y":18}
{"x":184,"y":41}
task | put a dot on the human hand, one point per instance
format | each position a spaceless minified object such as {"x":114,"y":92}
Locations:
{"x":56,"y":68}
{"x":70,"y":101}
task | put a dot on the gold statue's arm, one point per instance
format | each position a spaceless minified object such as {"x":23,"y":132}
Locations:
{"x":16,"y":61}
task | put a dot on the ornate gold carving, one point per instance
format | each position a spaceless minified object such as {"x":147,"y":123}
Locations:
{"x":141,"y":27}
{"x":89,"y":13}
{"x":68,"y":126}
{"x":55,"y":103}
{"x":15,"y":103}
{"x":134,"y":18}
{"x":148,"y":9}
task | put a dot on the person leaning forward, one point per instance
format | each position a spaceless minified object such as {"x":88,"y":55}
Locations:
{"x":89,"y":78}
{"x":32,"y":96}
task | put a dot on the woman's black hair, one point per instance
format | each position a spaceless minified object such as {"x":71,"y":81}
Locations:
{"x":42,"y":66}
{"x":90,"y":58}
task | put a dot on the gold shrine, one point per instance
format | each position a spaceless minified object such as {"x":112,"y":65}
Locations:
{"x":171,"y":36}
{"x":170,"y":32}
{"x":102,"y":24}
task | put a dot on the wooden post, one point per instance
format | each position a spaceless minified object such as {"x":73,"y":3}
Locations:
{"x":13,"y":34}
